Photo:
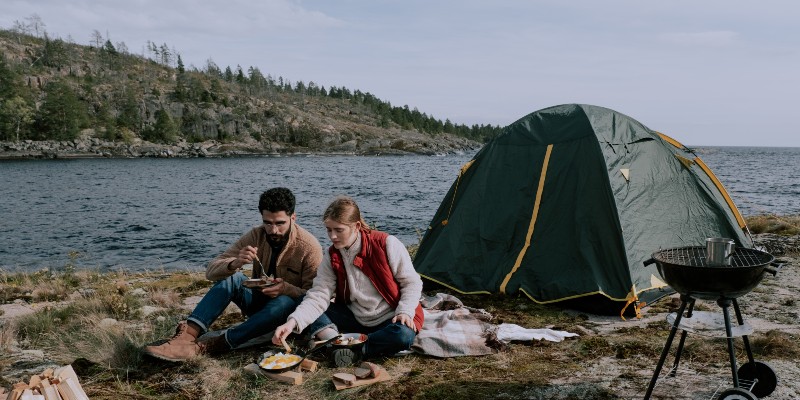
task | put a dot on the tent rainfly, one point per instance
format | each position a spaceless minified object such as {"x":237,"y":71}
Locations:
{"x":565,"y":205}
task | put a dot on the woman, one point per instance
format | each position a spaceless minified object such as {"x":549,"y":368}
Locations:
{"x":374,"y":283}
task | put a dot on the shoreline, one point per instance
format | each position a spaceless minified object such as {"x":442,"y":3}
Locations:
{"x":94,"y":148}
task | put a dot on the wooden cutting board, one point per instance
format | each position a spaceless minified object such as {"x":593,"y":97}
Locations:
{"x":381,"y":376}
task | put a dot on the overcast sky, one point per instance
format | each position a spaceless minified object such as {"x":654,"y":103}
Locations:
{"x":704,"y":72}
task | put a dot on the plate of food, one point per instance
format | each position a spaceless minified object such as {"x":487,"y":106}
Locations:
{"x":258,"y":283}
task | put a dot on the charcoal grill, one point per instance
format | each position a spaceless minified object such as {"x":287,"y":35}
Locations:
{"x":687,"y":271}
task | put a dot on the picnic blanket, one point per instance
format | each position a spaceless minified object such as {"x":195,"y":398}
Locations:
{"x":452,"y":330}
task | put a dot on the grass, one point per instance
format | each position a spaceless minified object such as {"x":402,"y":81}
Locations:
{"x":97,"y":323}
{"x":780,"y":225}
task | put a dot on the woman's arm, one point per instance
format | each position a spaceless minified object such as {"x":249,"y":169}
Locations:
{"x":407,"y":277}
{"x":318,"y":298}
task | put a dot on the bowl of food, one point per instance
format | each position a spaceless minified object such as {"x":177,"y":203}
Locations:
{"x":258,"y":283}
{"x":350,"y":340}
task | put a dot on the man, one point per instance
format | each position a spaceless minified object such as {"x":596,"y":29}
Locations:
{"x":283,"y":249}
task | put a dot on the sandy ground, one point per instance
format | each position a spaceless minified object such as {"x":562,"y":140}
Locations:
{"x":770,"y":306}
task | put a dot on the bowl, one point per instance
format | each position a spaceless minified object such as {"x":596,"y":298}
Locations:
{"x":258,"y":283}
{"x":350,"y":340}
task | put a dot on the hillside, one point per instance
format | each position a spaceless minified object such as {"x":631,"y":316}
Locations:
{"x":61,"y":99}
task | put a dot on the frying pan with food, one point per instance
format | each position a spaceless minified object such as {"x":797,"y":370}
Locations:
{"x":351,"y":341}
{"x":283,"y":362}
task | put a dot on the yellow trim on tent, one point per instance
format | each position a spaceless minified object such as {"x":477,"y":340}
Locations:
{"x":577,"y":296}
{"x":461,"y":173}
{"x":453,"y":287}
{"x":535,"y":214}
{"x":671,"y":141}
{"x":724,"y":192}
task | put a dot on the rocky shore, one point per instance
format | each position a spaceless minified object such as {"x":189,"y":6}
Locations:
{"x":99,"y":148}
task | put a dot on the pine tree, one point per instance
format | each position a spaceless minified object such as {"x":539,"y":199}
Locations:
{"x":61,"y":114}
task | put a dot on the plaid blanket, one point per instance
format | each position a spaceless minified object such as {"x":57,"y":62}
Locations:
{"x":452,"y":330}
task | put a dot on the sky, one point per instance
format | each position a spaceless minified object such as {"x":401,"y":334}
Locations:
{"x":707,"y":73}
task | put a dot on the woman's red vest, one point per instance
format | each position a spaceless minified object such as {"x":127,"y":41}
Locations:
{"x":374,"y":263}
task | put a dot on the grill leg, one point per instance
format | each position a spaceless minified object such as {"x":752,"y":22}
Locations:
{"x":725,"y":303}
{"x":682,"y":341}
{"x":684,"y":301}
{"x":745,"y":339}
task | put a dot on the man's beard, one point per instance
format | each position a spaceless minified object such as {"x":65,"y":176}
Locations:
{"x":278,"y":240}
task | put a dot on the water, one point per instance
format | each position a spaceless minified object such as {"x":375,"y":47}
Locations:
{"x":173,"y":214}
{"x":140,"y":214}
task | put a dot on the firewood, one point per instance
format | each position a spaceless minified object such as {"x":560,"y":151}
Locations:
{"x":70,"y":389}
{"x":49,"y":391}
{"x":35,"y":381}
{"x":347,"y":379}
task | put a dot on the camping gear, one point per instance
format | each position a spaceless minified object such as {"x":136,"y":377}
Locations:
{"x":719,"y":251}
{"x":566,"y":203}
{"x":347,"y":350}
{"x":687,"y":271}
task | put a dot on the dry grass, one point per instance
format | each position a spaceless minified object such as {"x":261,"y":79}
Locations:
{"x":781,"y":225}
{"x":106,"y":353}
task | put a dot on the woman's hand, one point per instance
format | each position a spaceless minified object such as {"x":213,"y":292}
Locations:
{"x":283,"y":331}
{"x":405,"y":320}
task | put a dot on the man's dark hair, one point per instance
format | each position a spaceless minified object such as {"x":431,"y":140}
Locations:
{"x":277,"y":199}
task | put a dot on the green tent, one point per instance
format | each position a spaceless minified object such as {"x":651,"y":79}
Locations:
{"x":566,"y":204}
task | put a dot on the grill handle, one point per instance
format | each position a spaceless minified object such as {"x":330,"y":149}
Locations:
{"x":649,"y":261}
{"x":774,"y":267}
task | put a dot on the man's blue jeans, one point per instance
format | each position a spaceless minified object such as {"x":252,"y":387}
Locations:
{"x":384,"y":339}
{"x":264,"y":314}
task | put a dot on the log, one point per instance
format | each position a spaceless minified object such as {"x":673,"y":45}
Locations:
{"x":70,"y":389}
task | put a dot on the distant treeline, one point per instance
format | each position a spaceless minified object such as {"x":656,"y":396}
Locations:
{"x":51,"y":89}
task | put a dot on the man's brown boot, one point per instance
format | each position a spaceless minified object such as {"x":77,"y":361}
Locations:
{"x":181,"y":347}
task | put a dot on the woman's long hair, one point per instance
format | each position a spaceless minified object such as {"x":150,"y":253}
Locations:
{"x":344,"y":210}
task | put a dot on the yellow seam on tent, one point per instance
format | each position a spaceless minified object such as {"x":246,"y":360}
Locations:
{"x":461,"y":173}
{"x":452,"y":287}
{"x":724,"y":192}
{"x":535,"y":214}
{"x":671,"y":141}
{"x":600,"y":292}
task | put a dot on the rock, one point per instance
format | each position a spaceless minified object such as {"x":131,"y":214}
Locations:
{"x":777,"y":245}
{"x":107,"y":322}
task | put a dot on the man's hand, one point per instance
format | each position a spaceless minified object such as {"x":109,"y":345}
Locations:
{"x":405,"y":320}
{"x":275,"y":290}
{"x":283,"y":331}
{"x":246,"y":256}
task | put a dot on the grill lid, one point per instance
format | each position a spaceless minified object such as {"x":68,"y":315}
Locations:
{"x":695,"y":256}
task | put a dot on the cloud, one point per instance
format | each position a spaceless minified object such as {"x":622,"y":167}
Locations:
{"x":706,"y":39}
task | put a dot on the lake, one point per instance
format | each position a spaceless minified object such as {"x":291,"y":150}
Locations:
{"x":145,"y":214}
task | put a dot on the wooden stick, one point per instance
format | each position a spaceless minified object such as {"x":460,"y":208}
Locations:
{"x":286,"y":346}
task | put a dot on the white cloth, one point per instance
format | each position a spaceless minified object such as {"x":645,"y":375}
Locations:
{"x":509,"y":332}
